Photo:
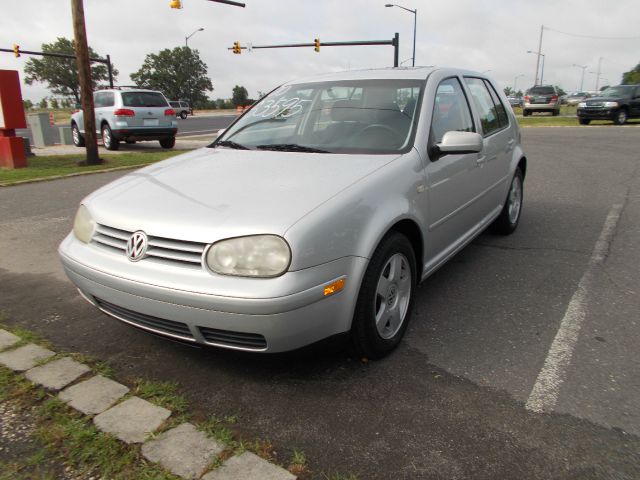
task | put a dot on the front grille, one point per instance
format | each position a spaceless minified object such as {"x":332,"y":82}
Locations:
{"x":595,"y":104}
{"x":147,"y":322}
{"x":249,"y":341}
{"x":160,"y":249}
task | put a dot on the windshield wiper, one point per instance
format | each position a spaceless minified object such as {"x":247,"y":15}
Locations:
{"x":290,"y":147}
{"x":230,"y":144}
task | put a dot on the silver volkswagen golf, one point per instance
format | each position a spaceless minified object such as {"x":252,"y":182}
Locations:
{"x":316,"y":213}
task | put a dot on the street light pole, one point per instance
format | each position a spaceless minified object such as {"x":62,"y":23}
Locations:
{"x":582,"y":77}
{"x":186,"y":39}
{"x":415,"y":21}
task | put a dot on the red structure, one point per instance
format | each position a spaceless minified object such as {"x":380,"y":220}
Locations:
{"x":12,"y":153}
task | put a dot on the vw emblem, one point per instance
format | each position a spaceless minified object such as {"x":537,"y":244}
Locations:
{"x":137,"y":246}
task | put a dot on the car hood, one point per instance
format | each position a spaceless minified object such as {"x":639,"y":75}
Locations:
{"x":603,"y":99}
{"x":211,"y":194}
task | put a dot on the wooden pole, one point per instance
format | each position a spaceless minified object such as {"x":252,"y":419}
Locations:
{"x":84,"y":76}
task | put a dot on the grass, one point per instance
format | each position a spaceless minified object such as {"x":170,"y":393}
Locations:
{"x":54,"y":165}
{"x":163,"y":394}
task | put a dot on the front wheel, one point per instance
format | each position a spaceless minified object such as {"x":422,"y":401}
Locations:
{"x":507,"y":221}
{"x":168,"y":142}
{"x":385,"y":299}
{"x":183,"y":115}
{"x":526,"y":113}
{"x":620,"y":118}
{"x":108,"y":141}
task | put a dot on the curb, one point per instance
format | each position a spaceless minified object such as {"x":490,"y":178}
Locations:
{"x":181,"y":450}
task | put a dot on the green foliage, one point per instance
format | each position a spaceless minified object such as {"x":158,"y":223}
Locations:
{"x":632,"y":77}
{"x":561,"y":92}
{"x":240,"y":96}
{"x":508,"y":91}
{"x":179,"y":73}
{"x":163,"y":394}
{"x":53,"y":103}
{"x":61,"y":74}
{"x":28,"y":104}
{"x":43,"y":103}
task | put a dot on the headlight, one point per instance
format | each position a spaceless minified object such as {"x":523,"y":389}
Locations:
{"x":83,"y":225}
{"x":611,"y":104}
{"x":582,"y":104}
{"x":253,"y":256}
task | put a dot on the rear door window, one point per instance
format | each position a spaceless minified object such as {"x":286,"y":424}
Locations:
{"x":143,"y":99}
{"x":489,"y":118}
{"x":502,"y":113}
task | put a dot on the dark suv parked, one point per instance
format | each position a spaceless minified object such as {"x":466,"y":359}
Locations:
{"x":615,"y":103}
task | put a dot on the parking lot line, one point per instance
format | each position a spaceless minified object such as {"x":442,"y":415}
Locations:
{"x":544,"y":394}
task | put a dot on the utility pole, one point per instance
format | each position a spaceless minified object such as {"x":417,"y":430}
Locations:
{"x":598,"y":74}
{"x":538,"y":52}
{"x":84,"y":76}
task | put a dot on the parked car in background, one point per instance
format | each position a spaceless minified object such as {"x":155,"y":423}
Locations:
{"x":316,"y":213}
{"x":128,"y":115}
{"x":541,"y":98}
{"x":183,"y":109}
{"x":515,"y":101}
{"x":617,"y":104}
{"x":577,"y":97}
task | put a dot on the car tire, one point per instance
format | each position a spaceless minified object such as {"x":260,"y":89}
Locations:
{"x":556,"y":113}
{"x":386,"y":298}
{"x":78,"y":138}
{"x":109,"y":142}
{"x":168,"y":142}
{"x":526,"y":113}
{"x":509,"y":217}
{"x":620,"y":117}
{"x":183,"y":115}
{"x":584,"y":121}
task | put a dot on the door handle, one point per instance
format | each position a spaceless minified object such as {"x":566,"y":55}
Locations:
{"x":510,"y":145}
{"x":481,"y":159}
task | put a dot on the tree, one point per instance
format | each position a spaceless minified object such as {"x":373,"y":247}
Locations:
{"x":43,"y":103}
{"x":54,"y":103}
{"x":508,"y":91}
{"x":28,"y":104}
{"x":560,"y":91}
{"x":61,"y":74}
{"x":632,"y":77}
{"x":178,"y":73}
{"x":240,"y":96}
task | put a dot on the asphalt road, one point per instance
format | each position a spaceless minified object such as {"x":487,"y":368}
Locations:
{"x":450,"y":402}
{"x":193,"y":125}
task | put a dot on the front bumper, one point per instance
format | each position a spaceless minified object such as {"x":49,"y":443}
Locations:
{"x":267,"y":317}
{"x":597,"y":113}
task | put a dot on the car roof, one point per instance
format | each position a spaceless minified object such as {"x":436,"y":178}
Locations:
{"x":404,"y":73}
{"x":127,"y":90}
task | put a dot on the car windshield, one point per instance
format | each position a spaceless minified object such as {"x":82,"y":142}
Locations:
{"x":355,"y":116}
{"x":143,"y":99}
{"x":621,"y":91}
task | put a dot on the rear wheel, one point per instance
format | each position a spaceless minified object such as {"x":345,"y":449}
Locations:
{"x":507,"y":221}
{"x":620,"y":118}
{"x":556,"y":113}
{"x":526,"y":113}
{"x":108,"y":141}
{"x":183,"y":115}
{"x":168,"y":142}
{"x":78,"y":138}
{"x":385,"y":299}
{"x":584,"y":121}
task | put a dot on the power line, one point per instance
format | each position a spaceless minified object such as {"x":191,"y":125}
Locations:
{"x":591,"y":36}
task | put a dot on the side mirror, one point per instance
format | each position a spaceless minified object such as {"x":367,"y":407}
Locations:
{"x":458,"y":143}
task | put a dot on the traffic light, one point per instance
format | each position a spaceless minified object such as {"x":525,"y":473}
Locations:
{"x":175,"y":4}
{"x":236,"y":48}
{"x":317,"y":42}
{"x":16,"y":50}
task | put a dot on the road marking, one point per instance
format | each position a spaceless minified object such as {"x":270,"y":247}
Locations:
{"x":544,"y":394}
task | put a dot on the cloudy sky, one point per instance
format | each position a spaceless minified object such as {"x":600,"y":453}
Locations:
{"x":482,"y":35}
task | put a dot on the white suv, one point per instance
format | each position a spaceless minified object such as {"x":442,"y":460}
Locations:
{"x":129,"y":115}
{"x":541,"y":98}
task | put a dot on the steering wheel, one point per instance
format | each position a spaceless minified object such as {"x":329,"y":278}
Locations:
{"x":389,"y":135}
